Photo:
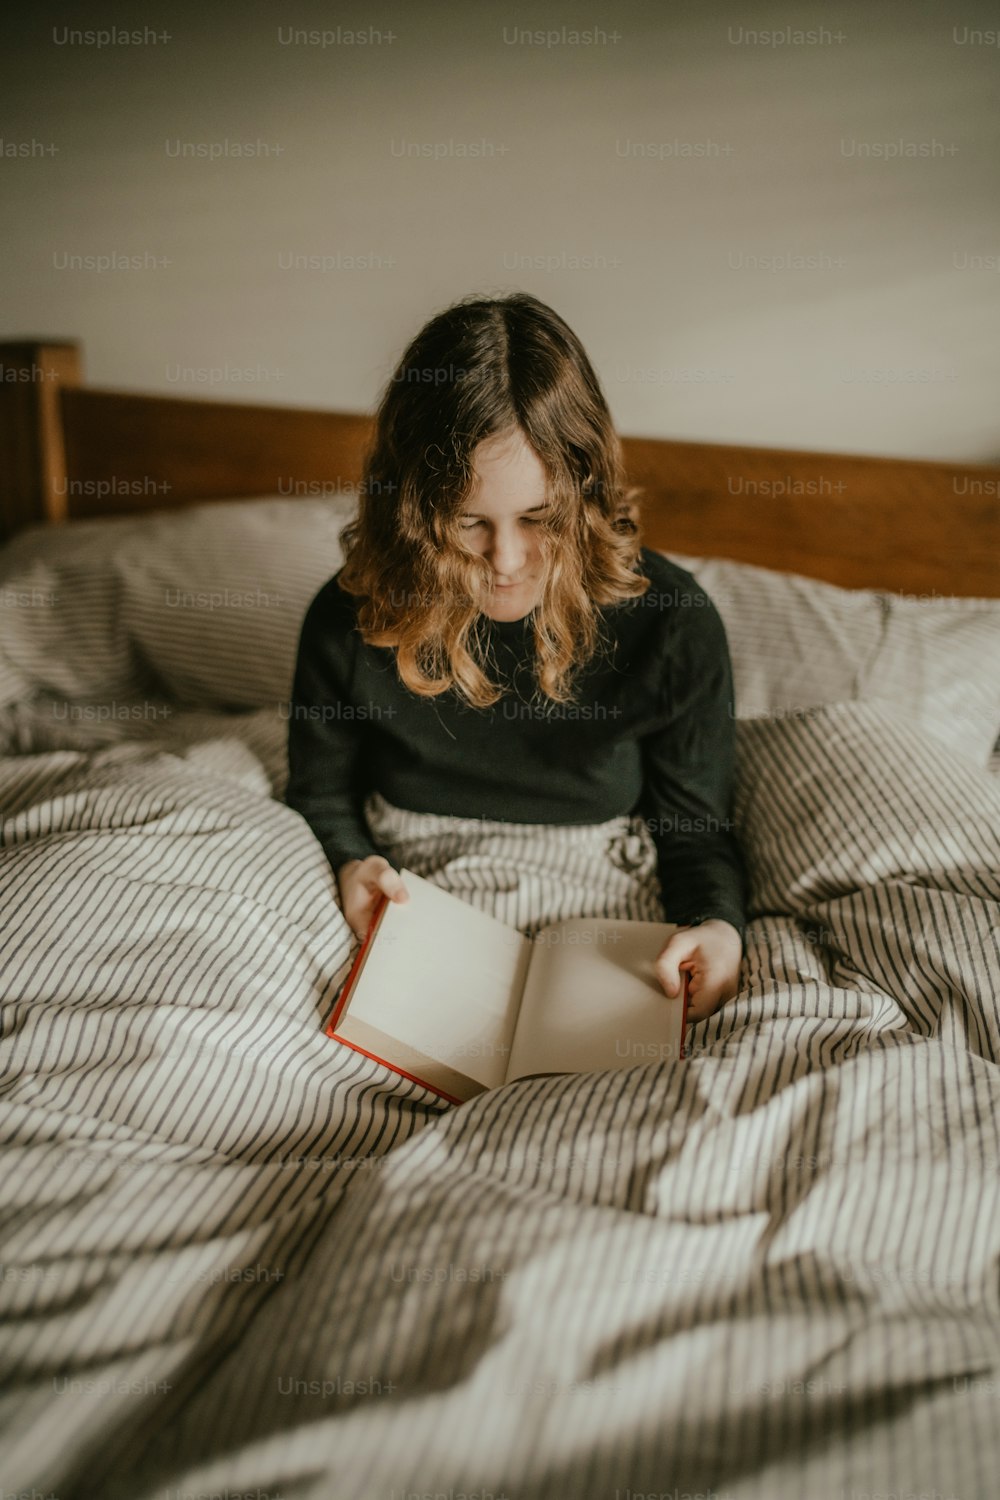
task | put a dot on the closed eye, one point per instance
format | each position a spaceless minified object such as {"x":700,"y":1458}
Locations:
{"x":526,"y":520}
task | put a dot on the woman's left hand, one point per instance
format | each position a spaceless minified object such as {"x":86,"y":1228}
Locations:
{"x":711,"y":953}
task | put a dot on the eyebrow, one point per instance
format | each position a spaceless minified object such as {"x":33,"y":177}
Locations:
{"x":474,"y":515}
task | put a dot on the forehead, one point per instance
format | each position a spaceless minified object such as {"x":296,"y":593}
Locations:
{"x":509,"y":476}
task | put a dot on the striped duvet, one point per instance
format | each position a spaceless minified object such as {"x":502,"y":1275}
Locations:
{"x":240,"y":1260}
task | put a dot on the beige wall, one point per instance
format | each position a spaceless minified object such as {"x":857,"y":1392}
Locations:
{"x":652,"y":185}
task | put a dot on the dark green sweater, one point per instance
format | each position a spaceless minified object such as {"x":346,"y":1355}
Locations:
{"x":651,"y":731}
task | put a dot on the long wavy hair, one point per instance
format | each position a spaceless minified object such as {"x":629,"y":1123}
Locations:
{"x":481,"y":369}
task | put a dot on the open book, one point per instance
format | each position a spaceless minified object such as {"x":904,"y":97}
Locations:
{"x":446,"y":995}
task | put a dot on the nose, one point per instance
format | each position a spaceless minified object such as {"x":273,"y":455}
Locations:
{"x":506,"y":556}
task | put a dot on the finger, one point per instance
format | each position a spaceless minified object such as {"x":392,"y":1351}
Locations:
{"x":390,"y":882}
{"x":355,"y":926}
{"x":706,"y":1002}
{"x":380,"y":878}
{"x":678,"y":950}
{"x":374,"y":867}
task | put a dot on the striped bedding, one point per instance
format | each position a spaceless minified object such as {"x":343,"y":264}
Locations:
{"x":240,"y":1260}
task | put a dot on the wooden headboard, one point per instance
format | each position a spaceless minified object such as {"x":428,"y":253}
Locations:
{"x":68,"y":452}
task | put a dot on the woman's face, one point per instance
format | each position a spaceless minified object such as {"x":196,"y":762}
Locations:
{"x":500,"y":518}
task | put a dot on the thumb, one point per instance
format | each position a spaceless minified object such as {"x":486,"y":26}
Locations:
{"x":668,"y":966}
{"x":375,"y":867}
{"x":390,"y":883}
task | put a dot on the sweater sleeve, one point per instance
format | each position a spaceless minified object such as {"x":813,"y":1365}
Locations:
{"x":688,"y":773}
{"x":326,"y":782}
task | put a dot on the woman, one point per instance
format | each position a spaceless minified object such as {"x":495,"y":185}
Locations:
{"x":499,"y":645}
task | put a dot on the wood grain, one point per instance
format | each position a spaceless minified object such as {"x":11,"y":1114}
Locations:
{"x":33,"y":482}
{"x":860,"y":522}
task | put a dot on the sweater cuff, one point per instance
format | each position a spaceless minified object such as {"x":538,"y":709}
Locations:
{"x":340,"y":854}
{"x":718,"y":916}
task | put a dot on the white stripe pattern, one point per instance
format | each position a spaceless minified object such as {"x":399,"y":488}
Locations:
{"x":239,"y":1258}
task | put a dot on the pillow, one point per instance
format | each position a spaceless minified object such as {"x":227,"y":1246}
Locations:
{"x":60,"y":627}
{"x":214,"y":596}
{"x":204,"y":603}
{"x":940,"y":658}
{"x":797,"y":643}
{"x":852,"y":797}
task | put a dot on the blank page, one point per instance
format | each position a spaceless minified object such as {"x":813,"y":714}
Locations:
{"x":445,"y":979}
{"x":592,"y":999}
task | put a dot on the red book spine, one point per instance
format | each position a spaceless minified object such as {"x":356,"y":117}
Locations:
{"x":684,"y":1012}
{"x":346,"y":987}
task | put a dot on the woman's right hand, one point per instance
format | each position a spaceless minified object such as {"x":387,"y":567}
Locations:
{"x":362,"y":882}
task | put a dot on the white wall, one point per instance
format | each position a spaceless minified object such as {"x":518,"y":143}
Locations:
{"x":887,"y":339}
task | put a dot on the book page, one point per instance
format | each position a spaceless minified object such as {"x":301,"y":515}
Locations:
{"x":445,"y":980}
{"x":592,"y":999}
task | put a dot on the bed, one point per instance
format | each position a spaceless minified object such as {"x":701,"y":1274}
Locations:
{"x":240,"y":1260}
